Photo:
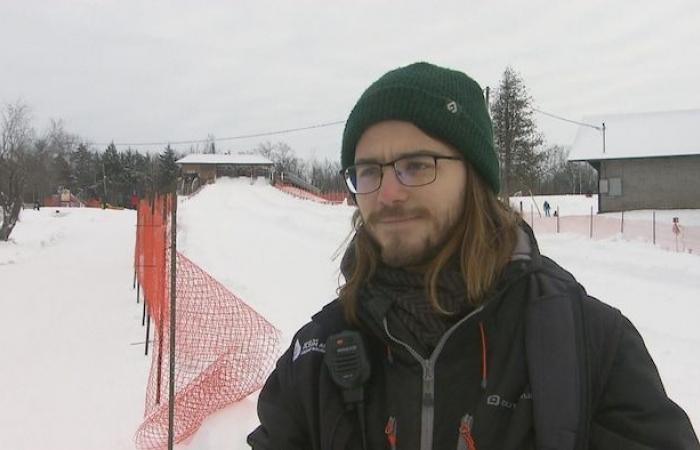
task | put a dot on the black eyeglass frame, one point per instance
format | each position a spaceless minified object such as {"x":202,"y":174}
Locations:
{"x":350,"y":186}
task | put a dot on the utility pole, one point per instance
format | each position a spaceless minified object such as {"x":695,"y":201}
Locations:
{"x":603,"y":137}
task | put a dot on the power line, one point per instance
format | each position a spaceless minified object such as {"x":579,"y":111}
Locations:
{"x":568,"y":120}
{"x":292,"y":130}
{"x":229,"y":138}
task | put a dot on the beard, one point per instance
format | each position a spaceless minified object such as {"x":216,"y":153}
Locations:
{"x":417,"y":245}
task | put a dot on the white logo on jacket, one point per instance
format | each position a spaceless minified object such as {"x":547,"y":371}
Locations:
{"x":312,"y":345}
{"x":497,"y":400}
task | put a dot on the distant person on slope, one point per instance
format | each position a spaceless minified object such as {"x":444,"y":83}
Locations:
{"x":546,"y":208}
{"x":452,"y":331}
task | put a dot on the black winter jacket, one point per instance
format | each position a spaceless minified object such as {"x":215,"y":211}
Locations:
{"x":540,"y":365}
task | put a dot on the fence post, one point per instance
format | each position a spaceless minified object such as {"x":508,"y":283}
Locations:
{"x":148,"y":328}
{"x":653,"y":229}
{"x":558,"y":218}
{"x":532,"y":217}
{"x":521,"y":208}
{"x":676,"y":242}
{"x":591,"y":226}
{"x":173,"y":291}
{"x":622,"y":223}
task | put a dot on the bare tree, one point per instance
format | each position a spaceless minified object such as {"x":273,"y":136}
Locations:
{"x":15,"y":138}
{"x":284,"y":158}
{"x":559,"y":176}
{"x":210,"y":145}
{"x":325,"y":175}
{"x":47,"y":163}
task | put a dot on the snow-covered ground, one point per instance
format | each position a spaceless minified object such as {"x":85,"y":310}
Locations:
{"x":580,"y":205}
{"x":569,"y":205}
{"x":72,"y":379}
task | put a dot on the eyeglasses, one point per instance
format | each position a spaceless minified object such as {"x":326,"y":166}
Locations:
{"x":411,"y":170}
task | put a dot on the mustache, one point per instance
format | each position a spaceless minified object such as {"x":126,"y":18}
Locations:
{"x":396,"y":213}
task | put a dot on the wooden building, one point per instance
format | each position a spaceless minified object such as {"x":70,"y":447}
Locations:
{"x":207,"y":167}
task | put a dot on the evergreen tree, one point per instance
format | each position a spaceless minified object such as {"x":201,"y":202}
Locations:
{"x":141,"y":174}
{"x":83,"y":172}
{"x":515,"y":135}
{"x":168,"y":170}
{"x":61,"y":172}
{"x":128,"y":179}
{"x":109,"y":185}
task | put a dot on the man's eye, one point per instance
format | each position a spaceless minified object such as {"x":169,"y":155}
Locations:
{"x":416,"y":165}
{"x":367,"y":172}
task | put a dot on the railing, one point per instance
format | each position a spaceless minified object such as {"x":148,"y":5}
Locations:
{"x":288,"y":178}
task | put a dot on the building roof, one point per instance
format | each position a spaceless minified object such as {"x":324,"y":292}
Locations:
{"x":216,"y":158}
{"x":641,"y":135}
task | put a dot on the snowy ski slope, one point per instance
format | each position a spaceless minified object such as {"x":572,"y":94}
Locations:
{"x":71,"y":378}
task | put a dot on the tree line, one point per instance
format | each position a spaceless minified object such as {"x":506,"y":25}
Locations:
{"x":36,"y":165}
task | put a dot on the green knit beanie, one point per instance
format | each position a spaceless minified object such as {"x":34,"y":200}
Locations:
{"x":445,"y":104}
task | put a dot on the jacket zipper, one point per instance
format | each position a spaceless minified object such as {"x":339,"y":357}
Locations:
{"x":428,"y":365}
{"x":466,"y":440}
{"x":390,"y":431}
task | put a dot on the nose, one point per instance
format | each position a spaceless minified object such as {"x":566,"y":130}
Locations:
{"x":391,"y":190}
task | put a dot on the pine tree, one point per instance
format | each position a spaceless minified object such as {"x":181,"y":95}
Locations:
{"x":141,"y":173}
{"x":168,"y":170}
{"x":83,"y":172}
{"x":111,"y":168}
{"x":61,"y":171}
{"x":515,"y":135}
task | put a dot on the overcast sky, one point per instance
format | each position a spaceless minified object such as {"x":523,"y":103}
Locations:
{"x":151,"y":71}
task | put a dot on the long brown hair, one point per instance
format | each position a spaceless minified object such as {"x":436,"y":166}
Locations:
{"x":485,"y":237}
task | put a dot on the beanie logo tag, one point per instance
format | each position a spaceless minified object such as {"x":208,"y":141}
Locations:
{"x":452,"y":106}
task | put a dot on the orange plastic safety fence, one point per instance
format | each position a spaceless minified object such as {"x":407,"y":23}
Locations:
{"x":306,"y":195}
{"x":224,"y":350}
{"x":664,"y":234}
{"x":150,"y":255}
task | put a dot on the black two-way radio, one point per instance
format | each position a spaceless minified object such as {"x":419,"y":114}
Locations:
{"x":349,"y":368}
{"x":348,"y":365}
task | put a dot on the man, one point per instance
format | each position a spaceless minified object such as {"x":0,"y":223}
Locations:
{"x":452,"y":331}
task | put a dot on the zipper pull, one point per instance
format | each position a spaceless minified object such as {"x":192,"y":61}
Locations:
{"x":466,"y":440}
{"x":390,"y":431}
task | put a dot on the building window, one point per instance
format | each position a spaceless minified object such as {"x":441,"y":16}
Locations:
{"x":610,"y":186}
{"x":615,"y":187}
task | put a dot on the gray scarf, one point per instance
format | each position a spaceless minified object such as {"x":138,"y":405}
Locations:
{"x":409,"y":313}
